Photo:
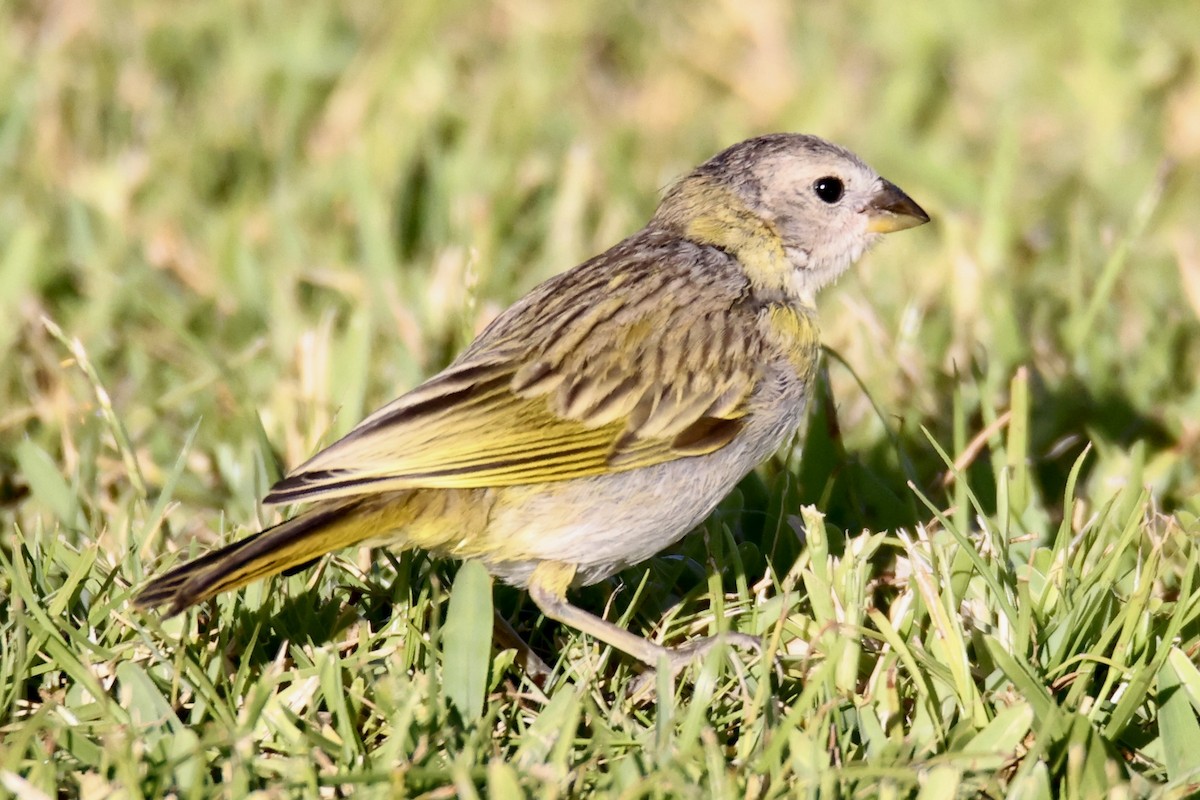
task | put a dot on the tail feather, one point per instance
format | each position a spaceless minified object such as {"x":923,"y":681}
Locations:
{"x":286,"y":547}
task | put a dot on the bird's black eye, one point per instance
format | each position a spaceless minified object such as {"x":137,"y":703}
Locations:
{"x":829,"y":189}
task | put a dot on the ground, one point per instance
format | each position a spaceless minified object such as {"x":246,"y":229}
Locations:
{"x":228,"y":230}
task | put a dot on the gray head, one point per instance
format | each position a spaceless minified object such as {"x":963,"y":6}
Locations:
{"x":825,"y":205}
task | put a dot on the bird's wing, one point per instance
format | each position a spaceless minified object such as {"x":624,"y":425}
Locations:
{"x":576,"y":380}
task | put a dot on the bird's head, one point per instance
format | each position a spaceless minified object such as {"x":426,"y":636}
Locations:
{"x":794,"y":209}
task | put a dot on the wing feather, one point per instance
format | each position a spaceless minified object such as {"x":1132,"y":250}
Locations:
{"x":574,"y":381}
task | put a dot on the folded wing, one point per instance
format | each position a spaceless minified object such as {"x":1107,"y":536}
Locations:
{"x":576,"y":380}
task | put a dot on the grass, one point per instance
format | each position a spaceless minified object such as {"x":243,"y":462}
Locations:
{"x":229,"y":230}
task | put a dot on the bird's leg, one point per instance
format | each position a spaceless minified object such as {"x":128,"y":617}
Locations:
{"x":548,"y":589}
{"x":507,"y":638}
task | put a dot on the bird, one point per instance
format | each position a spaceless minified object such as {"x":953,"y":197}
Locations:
{"x":606,"y":413}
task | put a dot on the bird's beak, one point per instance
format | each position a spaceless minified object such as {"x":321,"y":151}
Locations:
{"x":891,"y":210}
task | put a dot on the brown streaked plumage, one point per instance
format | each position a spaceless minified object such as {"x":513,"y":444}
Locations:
{"x":607,"y":412}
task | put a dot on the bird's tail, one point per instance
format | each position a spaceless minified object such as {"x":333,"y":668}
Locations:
{"x":286,"y":547}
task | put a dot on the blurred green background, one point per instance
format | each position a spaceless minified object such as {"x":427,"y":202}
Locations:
{"x":301,"y":210}
{"x":257,"y":221}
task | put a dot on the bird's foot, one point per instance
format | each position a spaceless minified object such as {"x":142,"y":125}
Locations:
{"x":692,"y":652}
